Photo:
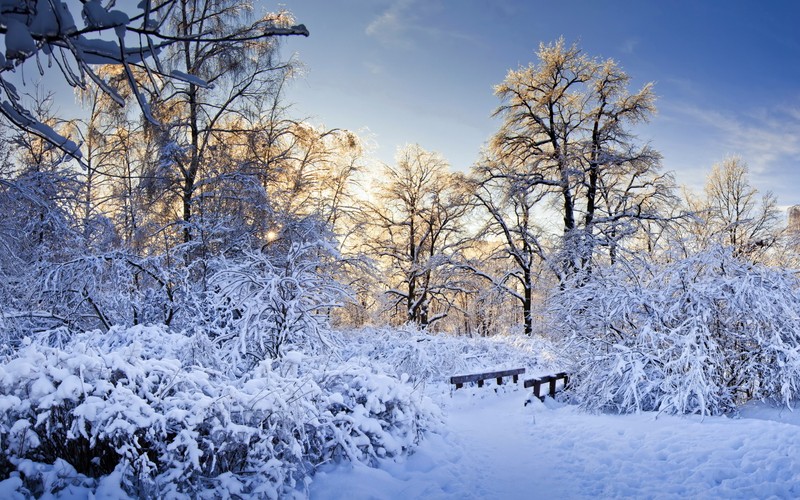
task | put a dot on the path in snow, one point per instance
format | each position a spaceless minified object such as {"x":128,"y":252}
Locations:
{"x":497,"y":448}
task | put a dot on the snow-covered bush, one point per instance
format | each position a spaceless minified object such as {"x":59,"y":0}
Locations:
{"x":699,"y":335}
{"x":275,"y":301}
{"x":425,"y":358}
{"x":367,"y":415}
{"x":103,"y":414}
{"x":87,"y":291}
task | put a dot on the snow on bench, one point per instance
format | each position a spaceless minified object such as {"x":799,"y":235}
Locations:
{"x":551,"y":380}
{"x":460,"y":380}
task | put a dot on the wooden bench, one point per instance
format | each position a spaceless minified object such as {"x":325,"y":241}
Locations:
{"x":551,"y":380}
{"x":460,"y":380}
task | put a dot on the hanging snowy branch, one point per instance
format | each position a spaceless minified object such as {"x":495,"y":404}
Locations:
{"x":47,"y":30}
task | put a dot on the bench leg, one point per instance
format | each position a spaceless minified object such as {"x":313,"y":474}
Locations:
{"x":480,"y":383}
{"x":516,"y":378}
{"x":499,"y":380}
{"x":537,"y":387}
{"x":459,"y":386}
{"x":553,"y":387}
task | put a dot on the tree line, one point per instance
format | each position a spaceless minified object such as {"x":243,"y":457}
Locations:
{"x":196,"y":200}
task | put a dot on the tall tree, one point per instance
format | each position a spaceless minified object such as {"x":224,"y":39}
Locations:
{"x":517,"y":242}
{"x":416,"y":227}
{"x":235,"y":66}
{"x":731,"y":212}
{"x":565,"y":133}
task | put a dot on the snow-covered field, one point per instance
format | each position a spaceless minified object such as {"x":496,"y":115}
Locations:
{"x":495,"y":447}
{"x":61,"y":407}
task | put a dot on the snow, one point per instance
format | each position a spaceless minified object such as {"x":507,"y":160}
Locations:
{"x":495,"y":447}
{"x":356,"y":421}
{"x":18,"y":39}
{"x":672,"y":337}
{"x":26,"y":121}
{"x":186,"y":77}
{"x":97,"y":16}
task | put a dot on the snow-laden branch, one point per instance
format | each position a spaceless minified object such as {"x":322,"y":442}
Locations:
{"x":47,"y":29}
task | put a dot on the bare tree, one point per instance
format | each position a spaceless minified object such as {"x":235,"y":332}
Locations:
{"x":732,"y":213}
{"x":517,"y":243}
{"x":98,"y":171}
{"x":563,"y":183}
{"x":44,"y":182}
{"x":234,"y":66}
{"x":564,"y":135}
{"x":416,"y":229}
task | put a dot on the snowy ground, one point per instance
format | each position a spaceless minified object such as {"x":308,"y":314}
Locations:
{"x":494,"y":447}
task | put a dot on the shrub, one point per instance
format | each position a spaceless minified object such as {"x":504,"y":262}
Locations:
{"x":700,"y":335}
{"x":133,"y":419}
{"x":277,"y":304}
{"x":425,"y":358}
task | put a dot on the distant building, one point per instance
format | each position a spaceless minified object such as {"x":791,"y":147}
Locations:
{"x":794,"y":219}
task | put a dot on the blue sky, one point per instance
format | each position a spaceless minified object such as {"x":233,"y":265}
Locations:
{"x":402,"y":71}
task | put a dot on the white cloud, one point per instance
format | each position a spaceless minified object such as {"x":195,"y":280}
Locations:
{"x":768,"y":139}
{"x":629,"y":45}
{"x":374,"y":68}
{"x":393,"y":25}
{"x":763,"y":137}
{"x":405,"y":22}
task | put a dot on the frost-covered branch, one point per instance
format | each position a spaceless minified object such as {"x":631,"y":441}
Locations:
{"x":47,"y":29}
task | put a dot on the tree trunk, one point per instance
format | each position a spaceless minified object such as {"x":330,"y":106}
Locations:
{"x":527,"y":308}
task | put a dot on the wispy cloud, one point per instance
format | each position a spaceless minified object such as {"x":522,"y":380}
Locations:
{"x":768,"y":139}
{"x":390,"y":27}
{"x":763,"y":137}
{"x":405,"y":22}
{"x":629,"y":45}
{"x":374,"y":68}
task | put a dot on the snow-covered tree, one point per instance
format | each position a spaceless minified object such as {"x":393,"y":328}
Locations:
{"x":416,"y":230}
{"x":565,"y":133}
{"x":234,"y":64}
{"x":732,"y":213}
{"x":697,"y":335}
{"x":78,"y":38}
{"x":275,"y":302}
{"x":517,"y":241}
